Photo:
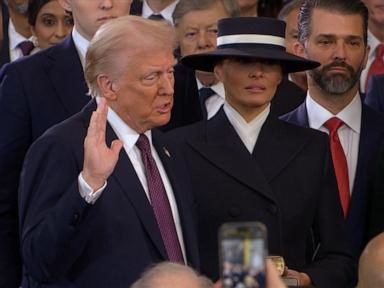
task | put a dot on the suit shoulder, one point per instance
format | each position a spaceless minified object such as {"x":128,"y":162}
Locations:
{"x":300,"y":131}
{"x":187,"y":132}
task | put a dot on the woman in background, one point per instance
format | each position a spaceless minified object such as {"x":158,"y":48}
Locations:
{"x":50,"y":23}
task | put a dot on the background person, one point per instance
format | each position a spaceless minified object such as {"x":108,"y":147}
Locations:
{"x":49,"y":22}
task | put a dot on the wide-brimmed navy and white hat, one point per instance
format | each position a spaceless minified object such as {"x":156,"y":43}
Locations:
{"x":250,"y":37}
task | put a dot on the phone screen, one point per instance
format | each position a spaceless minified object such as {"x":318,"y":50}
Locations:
{"x":242,"y":253}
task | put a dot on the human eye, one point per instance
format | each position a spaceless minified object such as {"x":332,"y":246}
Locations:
{"x":213,"y":31}
{"x":190,"y":34}
{"x":68,"y":21}
{"x":49,"y":20}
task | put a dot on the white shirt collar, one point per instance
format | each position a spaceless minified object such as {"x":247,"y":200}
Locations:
{"x":248,"y":132}
{"x":218,"y":88}
{"x":123,"y":131}
{"x":373,"y":43}
{"x":166,"y":12}
{"x":350,"y":115}
{"x":14,"y":37}
{"x":81,"y":44}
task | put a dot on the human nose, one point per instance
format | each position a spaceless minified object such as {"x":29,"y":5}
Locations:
{"x":106,"y":4}
{"x":340,"y":51}
{"x":203,"y":41}
{"x":257,"y":71}
{"x":167,"y":84}
{"x":61,"y":31}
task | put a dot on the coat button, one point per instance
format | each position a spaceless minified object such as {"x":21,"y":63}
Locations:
{"x":234,"y":212}
{"x":75,"y":219}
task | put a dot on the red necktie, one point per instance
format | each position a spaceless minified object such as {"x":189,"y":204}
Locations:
{"x":159,"y":202}
{"x":339,"y":162}
{"x":26,"y":47}
{"x":377,"y":66}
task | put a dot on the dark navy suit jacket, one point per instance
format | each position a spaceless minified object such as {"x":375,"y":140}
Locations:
{"x":69,"y":243}
{"x":36,"y":92}
{"x":371,"y":135}
{"x":375,"y":95}
{"x":287,"y":183}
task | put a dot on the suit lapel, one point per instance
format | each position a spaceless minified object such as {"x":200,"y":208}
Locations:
{"x":65,"y":71}
{"x":224,"y":149}
{"x":176,"y":175}
{"x":276,"y":147}
{"x":125,"y":176}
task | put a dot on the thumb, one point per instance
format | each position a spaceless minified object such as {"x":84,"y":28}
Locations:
{"x":116,"y":146}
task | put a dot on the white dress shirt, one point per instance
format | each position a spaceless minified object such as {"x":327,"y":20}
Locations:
{"x":214,"y":102}
{"x":14,"y":40}
{"x":373,"y":42}
{"x":349,"y":134}
{"x":166,"y":12}
{"x":129,"y":138}
{"x":248,"y":132}
{"x":81,"y":45}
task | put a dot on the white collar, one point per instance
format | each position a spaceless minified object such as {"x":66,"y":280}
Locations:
{"x":15,"y":38}
{"x":373,"y":43}
{"x":166,"y":12}
{"x":350,"y":115}
{"x":248,"y":132}
{"x":218,"y":88}
{"x":81,"y":44}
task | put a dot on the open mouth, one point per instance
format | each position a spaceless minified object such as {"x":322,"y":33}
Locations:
{"x":165,"y":108}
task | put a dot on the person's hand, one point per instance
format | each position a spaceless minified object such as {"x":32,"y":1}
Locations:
{"x":273,"y":278}
{"x":99,"y":159}
{"x":302,"y":278}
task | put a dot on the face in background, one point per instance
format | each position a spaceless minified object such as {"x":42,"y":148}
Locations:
{"x":143,"y":95}
{"x":376,"y":11}
{"x":197,"y":30}
{"x":18,"y":6}
{"x":249,"y":84}
{"x":52,"y":24}
{"x":89,"y":15}
{"x":337,"y":42}
{"x":248,"y":7}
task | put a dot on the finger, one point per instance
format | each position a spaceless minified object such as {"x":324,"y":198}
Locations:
{"x":273,"y":278}
{"x":116,"y":146}
{"x":92,"y":128}
{"x":102,"y":111}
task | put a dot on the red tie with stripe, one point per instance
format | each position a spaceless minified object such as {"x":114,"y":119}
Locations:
{"x":339,"y":162}
{"x":160,"y":202}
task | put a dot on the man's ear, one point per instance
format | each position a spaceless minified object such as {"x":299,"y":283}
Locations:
{"x":298,"y":49}
{"x":107,"y":87}
{"x":66,"y":4}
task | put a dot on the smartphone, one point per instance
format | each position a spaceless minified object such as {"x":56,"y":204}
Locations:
{"x":242,"y":250}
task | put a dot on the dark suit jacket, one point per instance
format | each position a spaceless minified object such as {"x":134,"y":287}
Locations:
{"x":187,"y":107}
{"x":136,"y":7}
{"x":372,"y":132}
{"x":35,"y":93}
{"x":375,"y":95}
{"x":288,"y":184}
{"x":4,"y":50}
{"x":67,"y":242}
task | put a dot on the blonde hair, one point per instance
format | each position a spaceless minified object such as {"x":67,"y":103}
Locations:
{"x":117,"y":42}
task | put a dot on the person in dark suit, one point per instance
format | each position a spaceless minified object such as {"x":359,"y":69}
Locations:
{"x":37,"y":92}
{"x":247,"y":165}
{"x":16,"y":30}
{"x":93,"y":214}
{"x":154,"y":9}
{"x":375,"y":94}
{"x":333,"y":93}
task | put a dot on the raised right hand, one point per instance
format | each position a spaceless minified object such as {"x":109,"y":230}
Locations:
{"x":99,"y":159}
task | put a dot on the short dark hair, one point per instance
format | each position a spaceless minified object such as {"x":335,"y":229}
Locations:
{"x":34,"y":7}
{"x":343,"y":7}
{"x":289,"y":7}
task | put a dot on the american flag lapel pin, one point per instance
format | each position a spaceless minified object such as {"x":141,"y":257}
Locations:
{"x":167,"y":152}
